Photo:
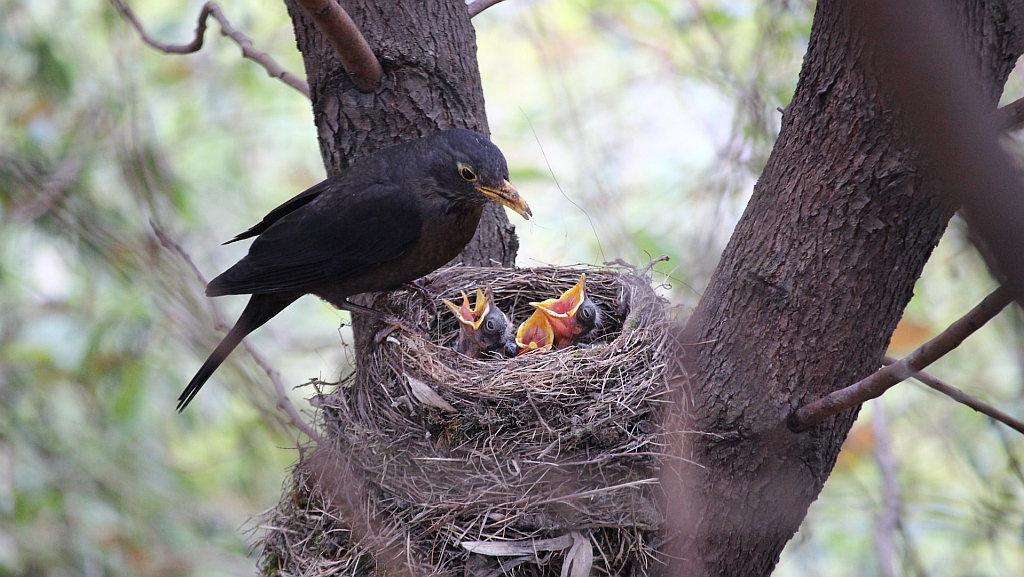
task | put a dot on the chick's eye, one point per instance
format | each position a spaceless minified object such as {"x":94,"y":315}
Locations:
{"x":467,"y":174}
{"x":586,"y":314}
{"x":491,"y":326}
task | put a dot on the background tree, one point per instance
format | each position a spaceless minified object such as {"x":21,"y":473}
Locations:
{"x":627,"y":102}
{"x":816,"y":276}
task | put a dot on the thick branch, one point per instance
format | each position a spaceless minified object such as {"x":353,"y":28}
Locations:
{"x":885,"y":378}
{"x":351,"y":48}
{"x":780,"y":280}
{"x":273,"y":69}
{"x":478,"y":6}
{"x":965,"y":399}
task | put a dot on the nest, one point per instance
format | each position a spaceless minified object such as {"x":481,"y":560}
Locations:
{"x":437,"y":464}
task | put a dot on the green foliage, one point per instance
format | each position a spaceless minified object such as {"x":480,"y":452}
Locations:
{"x":633,"y":128}
{"x":653,"y":119}
{"x":97,"y":473}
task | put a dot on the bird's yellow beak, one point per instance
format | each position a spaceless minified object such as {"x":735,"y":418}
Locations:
{"x":463,"y":313}
{"x":566,"y":305}
{"x":474,"y":317}
{"x":480,"y":310}
{"x":535,"y":334}
{"x":507,"y":195}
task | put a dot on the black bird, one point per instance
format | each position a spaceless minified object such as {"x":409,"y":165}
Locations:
{"x":483,"y":328}
{"x":391,"y":218}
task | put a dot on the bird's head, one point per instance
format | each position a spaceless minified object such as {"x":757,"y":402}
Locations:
{"x":484,"y":328}
{"x":572,"y":315}
{"x":470,"y":166}
{"x":535,"y":334}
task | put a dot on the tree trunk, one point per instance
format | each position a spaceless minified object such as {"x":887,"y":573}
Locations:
{"x":807,"y":294}
{"x":431,"y":82}
{"x":809,"y":289}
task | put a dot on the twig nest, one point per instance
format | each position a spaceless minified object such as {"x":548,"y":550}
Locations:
{"x":543,"y":464}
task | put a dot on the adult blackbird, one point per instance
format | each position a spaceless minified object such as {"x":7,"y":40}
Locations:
{"x":534,"y":334}
{"x":572,"y":316}
{"x":391,"y":218}
{"x":483,"y":328}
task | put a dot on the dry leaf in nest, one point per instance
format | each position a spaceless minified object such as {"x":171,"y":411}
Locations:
{"x":544,"y":464}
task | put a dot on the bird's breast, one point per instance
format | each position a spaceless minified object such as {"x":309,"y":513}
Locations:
{"x":442,"y":239}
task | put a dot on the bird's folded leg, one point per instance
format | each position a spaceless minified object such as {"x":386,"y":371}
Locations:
{"x":381,"y":316}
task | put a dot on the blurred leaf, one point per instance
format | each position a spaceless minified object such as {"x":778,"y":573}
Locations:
{"x":50,"y":73}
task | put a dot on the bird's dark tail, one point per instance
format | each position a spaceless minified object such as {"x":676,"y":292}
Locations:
{"x":261,"y":308}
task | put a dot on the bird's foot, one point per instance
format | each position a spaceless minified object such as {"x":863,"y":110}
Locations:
{"x":384,"y":333}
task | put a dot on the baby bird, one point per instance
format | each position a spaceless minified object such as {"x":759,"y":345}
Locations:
{"x":572,"y":316}
{"x":483,"y":328}
{"x":535,"y":334}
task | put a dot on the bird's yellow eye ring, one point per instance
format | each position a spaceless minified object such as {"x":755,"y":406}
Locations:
{"x":467,"y":174}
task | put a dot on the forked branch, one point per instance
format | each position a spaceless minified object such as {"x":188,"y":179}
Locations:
{"x":249,"y":51}
{"x":886,"y":377}
{"x":964,"y":398}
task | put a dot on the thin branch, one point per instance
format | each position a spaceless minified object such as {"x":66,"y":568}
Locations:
{"x":478,"y":6}
{"x":882,"y":380}
{"x":1011,"y":456}
{"x":283,"y":402}
{"x":56,"y":186}
{"x":889,"y":520}
{"x":1011,"y":116}
{"x":274,"y":70}
{"x":351,"y":48}
{"x":964,"y":398}
{"x":654,"y":261}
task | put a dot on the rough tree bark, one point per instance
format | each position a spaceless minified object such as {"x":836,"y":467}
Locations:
{"x":431,"y":82}
{"x":808,"y":292}
{"x":809,"y":289}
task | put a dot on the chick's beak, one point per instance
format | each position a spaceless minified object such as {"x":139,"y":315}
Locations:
{"x":535,"y":334}
{"x":561,"y":313}
{"x":463,"y":313}
{"x":507,"y":195}
{"x":480,"y":310}
{"x":566,"y":305}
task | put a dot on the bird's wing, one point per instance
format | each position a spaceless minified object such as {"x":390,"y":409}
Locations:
{"x":289,"y":206}
{"x":329,"y":240}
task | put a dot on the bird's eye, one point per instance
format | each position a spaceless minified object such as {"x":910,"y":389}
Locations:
{"x":467,"y":174}
{"x":491,"y":326}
